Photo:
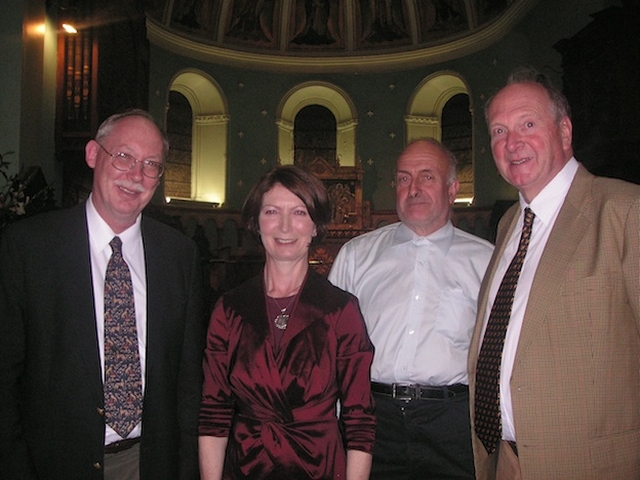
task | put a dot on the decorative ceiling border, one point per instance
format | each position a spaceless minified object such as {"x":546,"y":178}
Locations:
{"x":347,"y":63}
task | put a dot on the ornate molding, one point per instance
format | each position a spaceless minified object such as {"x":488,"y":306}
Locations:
{"x":420,"y":120}
{"x":476,"y":40}
{"x":212,"y":119}
{"x":347,"y":125}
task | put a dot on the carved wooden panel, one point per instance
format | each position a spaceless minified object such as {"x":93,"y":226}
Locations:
{"x":344,"y":186}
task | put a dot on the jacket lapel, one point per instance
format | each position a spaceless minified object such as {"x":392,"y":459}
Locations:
{"x":73,"y":258}
{"x":568,"y":230}
{"x":158,"y":269}
{"x":509,"y":221}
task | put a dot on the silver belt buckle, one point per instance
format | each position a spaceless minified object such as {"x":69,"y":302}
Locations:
{"x":408,"y":392}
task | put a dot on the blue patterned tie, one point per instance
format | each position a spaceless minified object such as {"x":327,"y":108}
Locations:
{"x":488,"y":421}
{"x":122,"y":373}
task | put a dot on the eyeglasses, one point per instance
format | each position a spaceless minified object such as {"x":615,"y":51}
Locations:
{"x":125,"y":162}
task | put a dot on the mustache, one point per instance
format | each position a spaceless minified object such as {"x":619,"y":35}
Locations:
{"x":129,"y":185}
{"x":416,"y":200}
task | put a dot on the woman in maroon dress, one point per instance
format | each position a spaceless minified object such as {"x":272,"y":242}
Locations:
{"x":285,"y":352}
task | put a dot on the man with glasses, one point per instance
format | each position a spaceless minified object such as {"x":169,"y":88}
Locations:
{"x":102,"y":327}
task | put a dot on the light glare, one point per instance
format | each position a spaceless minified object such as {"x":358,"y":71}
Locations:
{"x":69,"y":28}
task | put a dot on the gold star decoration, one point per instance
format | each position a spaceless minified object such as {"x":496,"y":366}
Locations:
{"x":370,"y":161}
{"x":240,"y":183}
{"x":241,"y":134}
{"x":370,"y":113}
{"x":392,"y":135}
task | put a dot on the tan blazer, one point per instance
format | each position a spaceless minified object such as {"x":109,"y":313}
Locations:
{"x":576,"y":378}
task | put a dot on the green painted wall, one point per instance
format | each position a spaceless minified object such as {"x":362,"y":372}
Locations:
{"x":380,"y":137}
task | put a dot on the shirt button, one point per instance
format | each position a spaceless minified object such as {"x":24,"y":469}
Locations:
{"x":417,"y":297}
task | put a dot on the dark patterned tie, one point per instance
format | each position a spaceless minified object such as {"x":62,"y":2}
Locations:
{"x":122,"y":373}
{"x":488,"y":422}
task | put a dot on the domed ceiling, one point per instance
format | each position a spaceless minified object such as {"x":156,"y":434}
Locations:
{"x":330,"y":35}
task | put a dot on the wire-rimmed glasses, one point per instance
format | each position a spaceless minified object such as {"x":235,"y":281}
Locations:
{"x":125,"y":162}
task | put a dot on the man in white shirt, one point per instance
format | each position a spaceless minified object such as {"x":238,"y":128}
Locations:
{"x":568,"y":373}
{"x":417,"y":283}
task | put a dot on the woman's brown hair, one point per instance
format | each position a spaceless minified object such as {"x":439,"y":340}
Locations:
{"x":303,"y":185}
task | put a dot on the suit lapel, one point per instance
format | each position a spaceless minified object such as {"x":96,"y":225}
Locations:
{"x":157,"y":271}
{"x":509,"y":219}
{"x":568,"y":230}
{"x":78,"y":309}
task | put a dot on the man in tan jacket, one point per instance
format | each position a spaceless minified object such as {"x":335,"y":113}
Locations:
{"x":568,"y":372}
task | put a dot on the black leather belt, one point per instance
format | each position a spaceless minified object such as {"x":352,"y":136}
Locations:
{"x":405,"y":391}
{"x":121,"y":445}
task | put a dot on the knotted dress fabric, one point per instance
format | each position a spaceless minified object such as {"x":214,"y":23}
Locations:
{"x":122,"y":372}
{"x":488,"y":421}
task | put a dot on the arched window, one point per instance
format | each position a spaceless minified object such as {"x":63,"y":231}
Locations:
{"x":209,"y":136}
{"x":439,"y":108}
{"x":177,"y":178}
{"x":333,"y":99}
{"x":315,"y":135}
{"x":457,"y":136}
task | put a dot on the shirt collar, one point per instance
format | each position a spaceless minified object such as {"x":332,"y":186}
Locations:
{"x":552,"y":196}
{"x":100,"y":233}
{"x":441,"y":238}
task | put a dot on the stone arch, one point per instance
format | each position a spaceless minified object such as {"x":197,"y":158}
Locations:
{"x":210,"y":134}
{"x":424,"y":110}
{"x":329,"y":96}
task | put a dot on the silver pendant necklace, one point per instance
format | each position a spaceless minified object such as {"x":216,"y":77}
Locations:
{"x":282,"y":319}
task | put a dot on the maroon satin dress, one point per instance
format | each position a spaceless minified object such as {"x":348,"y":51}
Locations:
{"x":278,"y":405}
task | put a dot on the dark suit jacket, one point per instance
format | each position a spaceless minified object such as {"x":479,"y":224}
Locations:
{"x":282,"y":401}
{"x":50,"y":376}
{"x":575,"y":384}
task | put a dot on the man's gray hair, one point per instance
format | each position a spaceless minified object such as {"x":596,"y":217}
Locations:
{"x":105,"y":127}
{"x":528,"y":74}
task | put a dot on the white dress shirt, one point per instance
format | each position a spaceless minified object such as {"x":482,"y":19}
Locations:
{"x":546,"y":206}
{"x":418,"y":296}
{"x":100,"y":234}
